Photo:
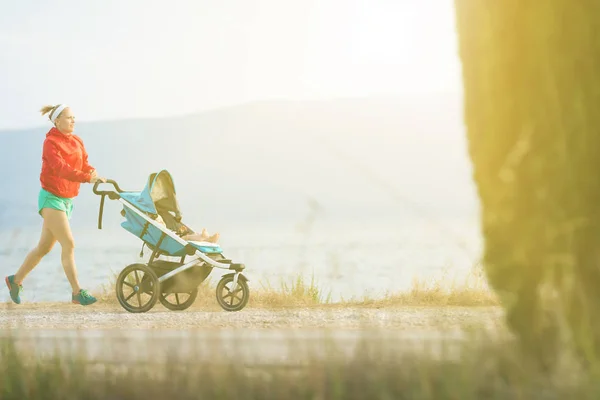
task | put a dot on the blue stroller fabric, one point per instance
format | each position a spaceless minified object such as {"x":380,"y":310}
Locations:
{"x":160,"y":188}
{"x":159,"y":198}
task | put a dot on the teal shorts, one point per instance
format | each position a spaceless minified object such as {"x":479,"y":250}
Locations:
{"x":48,"y":200}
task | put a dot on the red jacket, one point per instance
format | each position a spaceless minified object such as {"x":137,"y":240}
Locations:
{"x":64,"y":164}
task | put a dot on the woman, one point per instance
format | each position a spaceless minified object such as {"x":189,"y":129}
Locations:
{"x":64,"y":167}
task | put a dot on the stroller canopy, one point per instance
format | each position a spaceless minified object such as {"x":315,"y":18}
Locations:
{"x":158,"y":195}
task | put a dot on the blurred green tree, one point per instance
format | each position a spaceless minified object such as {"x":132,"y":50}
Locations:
{"x":531,"y":76}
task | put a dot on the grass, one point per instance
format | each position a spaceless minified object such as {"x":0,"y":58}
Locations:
{"x":299,"y":292}
{"x":479,"y":367}
{"x":474,"y":369}
{"x":470,"y":291}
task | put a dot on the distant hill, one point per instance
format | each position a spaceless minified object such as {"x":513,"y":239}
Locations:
{"x":266,"y":162}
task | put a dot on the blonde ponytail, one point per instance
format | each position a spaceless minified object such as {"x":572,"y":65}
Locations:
{"x":49,"y":109}
{"x":46,"y":109}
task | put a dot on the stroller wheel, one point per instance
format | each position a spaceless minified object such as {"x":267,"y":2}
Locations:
{"x":137,"y":288}
{"x":230,"y":298}
{"x":178,"y":301}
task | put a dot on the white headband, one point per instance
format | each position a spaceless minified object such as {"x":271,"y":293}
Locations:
{"x":57,"y":112}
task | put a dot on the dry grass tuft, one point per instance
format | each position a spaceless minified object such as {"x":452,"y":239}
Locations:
{"x":471,"y":291}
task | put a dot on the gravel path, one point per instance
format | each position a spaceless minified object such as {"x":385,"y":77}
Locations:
{"x":66,"y":316}
{"x":107,"y":334}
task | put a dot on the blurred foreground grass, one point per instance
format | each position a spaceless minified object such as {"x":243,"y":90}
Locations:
{"x":474,"y":369}
{"x":468,"y":291}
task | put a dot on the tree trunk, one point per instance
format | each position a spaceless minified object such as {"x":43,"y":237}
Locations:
{"x":531,"y":75}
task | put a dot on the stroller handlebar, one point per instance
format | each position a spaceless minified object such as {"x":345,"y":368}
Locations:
{"x":108,"y":181}
{"x":103,"y":193}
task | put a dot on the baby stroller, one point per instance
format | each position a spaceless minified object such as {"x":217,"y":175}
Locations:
{"x":160,"y":279}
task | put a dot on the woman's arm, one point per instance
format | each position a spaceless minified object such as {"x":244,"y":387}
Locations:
{"x":86,"y":166}
{"x":52,"y":155}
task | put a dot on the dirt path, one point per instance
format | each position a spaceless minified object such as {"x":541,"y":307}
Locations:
{"x":102,"y":316}
{"x":107,"y":334}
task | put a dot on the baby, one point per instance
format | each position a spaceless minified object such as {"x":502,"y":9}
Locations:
{"x":193,"y":236}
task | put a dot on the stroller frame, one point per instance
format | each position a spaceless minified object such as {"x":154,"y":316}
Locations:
{"x":208,"y":255}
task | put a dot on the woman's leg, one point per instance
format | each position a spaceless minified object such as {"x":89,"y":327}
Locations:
{"x":46,"y":243}
{"x":58,"y":224}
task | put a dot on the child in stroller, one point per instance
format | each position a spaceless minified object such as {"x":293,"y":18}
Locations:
{"x":186,"y":233}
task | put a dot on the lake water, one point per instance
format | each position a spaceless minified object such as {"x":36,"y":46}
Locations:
{"x":346,"y":259}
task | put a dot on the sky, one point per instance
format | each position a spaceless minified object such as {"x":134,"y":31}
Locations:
{"x":145,"y":58}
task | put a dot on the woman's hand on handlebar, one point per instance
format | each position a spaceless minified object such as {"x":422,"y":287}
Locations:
{"x":95,"y":178}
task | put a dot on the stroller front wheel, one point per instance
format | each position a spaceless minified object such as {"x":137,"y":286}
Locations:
{"x":137,"y":288}
{"x":232,"y":298}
